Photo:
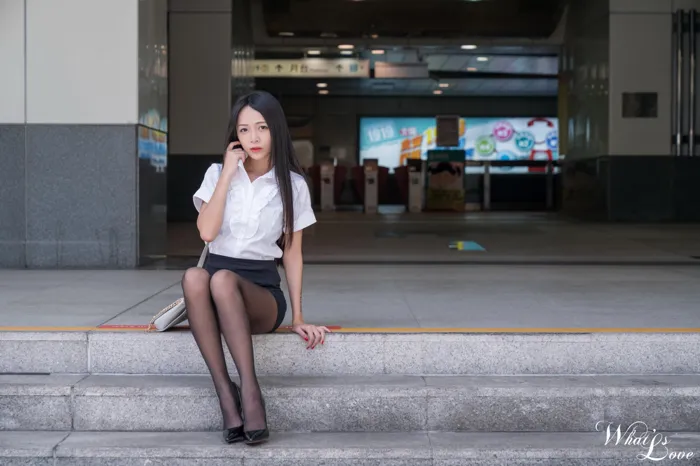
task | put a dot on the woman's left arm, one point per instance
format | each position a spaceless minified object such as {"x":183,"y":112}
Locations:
{"x":293,"y":269}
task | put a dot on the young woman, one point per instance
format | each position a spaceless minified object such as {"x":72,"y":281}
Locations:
{"x":252,"y":209}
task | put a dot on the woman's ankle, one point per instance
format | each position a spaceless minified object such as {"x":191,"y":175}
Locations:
{"x":250,"y":386}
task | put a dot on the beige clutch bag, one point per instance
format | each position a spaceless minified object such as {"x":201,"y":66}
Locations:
{"x":176,"y":312}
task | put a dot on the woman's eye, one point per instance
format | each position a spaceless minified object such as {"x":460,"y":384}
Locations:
{"x":242,"y":130}
{"x":263,"y":127}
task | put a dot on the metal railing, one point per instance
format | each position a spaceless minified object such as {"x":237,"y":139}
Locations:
{"x":548,"y":172}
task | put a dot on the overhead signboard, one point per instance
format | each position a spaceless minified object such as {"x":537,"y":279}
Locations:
{"x":311,"y":68}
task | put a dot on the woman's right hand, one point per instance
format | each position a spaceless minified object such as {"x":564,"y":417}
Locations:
{"x":234,"y":153}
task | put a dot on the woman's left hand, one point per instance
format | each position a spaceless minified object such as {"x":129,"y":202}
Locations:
{"x":312,"y":333}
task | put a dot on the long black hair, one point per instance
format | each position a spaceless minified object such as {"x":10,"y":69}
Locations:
{"x":282,"y":155}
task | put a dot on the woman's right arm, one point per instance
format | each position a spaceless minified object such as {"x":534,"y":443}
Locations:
{"x":211,"y":214}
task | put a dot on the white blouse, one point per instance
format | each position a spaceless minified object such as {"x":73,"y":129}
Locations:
{"x":252,"y":221}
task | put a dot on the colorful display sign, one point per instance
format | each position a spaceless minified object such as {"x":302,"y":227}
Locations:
{"x":153,"y":146}
{"x":392,"y":140}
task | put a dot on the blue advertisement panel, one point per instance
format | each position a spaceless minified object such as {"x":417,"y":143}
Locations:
{"x":392,"y":140}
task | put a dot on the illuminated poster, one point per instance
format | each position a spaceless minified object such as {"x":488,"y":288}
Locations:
{"x":392,"y":140}
{"x":153,"y":146}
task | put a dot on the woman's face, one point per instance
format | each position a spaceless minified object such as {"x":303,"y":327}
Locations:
{"x":254,"y":134}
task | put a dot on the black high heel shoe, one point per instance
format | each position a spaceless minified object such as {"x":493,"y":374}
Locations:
{"x":235,"y":434}
{"x":253,"y":437}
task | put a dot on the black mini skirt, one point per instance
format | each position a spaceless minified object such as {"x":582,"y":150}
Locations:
{"x":261,"y":272}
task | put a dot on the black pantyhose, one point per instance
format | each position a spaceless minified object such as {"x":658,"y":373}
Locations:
{"x":217,"y":305}
{"x":204,"y":325}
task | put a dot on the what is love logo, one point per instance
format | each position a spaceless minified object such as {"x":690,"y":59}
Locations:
{"x":654,"y":445}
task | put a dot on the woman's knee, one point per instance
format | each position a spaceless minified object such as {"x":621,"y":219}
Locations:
{"x":195,"y":280}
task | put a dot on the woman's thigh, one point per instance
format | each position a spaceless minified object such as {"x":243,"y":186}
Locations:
{"x":259,"y":303}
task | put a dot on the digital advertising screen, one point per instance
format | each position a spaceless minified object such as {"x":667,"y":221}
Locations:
{"x":391,"y":140}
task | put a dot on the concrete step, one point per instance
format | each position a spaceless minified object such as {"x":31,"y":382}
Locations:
{"x":360,"y":353}
{"x":342,"y":449}
{"x":355,"y":403}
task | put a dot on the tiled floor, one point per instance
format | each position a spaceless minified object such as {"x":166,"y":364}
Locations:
{"x":514,"y":238}
{"x":399,"y":272}
{"x":464,"y":296}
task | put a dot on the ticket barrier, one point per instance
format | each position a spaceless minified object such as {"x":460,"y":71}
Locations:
{"x":371,"y":188}
{"x":546,"y":166}
{"x":415,"y":184}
